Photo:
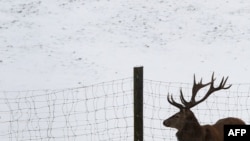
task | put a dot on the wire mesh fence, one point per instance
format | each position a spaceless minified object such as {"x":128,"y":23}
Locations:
{"x":104,"y":111}
{"x":234,"y":102}
{"x":98,"y":112}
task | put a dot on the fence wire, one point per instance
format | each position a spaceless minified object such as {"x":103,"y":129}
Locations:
{"x":104,"y":111}
{"x":100,"y":112}
{"x":234,"y":102}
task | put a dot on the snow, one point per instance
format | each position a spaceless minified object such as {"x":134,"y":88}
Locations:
{"x":60,"y":44}
{"x":57,"y":44}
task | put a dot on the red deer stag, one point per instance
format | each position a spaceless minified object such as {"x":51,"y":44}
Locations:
{"x":189,"y":129}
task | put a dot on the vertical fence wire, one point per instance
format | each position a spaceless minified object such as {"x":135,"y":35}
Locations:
{"x":104,"y":111}
{"x":98,"y":112}
{"x":234,"y":102}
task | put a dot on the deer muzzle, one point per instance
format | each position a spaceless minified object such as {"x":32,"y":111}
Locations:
{"x":166,"y":123}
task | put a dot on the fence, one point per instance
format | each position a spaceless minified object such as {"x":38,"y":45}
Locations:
{"x":105,"y":111}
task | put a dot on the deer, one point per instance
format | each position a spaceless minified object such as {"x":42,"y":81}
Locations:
{"x":186,"y":123}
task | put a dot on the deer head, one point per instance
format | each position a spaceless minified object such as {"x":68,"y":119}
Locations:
{"x":185,"y":117}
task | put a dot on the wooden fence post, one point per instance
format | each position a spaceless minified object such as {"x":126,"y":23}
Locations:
{"x":138,"y":104}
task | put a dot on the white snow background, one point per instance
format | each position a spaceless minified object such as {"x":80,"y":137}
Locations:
{"x":57,"y":44}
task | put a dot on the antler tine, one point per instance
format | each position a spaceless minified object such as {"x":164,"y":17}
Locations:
{"x":183,"y":101}
{"x":223,"y":83}
{"x":172,"y":102}
{"x":212,"y":89}
{"x":197,"y":87}
{"x":221,"y":86}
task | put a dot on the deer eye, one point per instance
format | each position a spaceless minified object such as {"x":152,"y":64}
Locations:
{"x":176,"y":116}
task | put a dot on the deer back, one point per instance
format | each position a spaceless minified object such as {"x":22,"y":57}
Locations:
{"x":219,"y":125}
{"x":185,"y":121}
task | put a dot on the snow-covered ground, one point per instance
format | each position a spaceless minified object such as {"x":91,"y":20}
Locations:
{"x":56,"y":44}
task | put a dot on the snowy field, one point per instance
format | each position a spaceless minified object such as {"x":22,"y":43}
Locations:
{"x":58,"y":44}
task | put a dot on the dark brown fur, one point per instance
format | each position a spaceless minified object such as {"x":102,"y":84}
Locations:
{"x":189,"y":128}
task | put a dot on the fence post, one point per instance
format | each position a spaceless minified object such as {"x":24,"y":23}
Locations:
{"x":138,"y":104}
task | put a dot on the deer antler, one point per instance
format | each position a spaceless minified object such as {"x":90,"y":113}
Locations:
{"x":212,"y":89}
{"x":172,"y":102}
{"x":196,"y":88}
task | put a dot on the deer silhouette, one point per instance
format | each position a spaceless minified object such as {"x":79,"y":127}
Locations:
{"x":189,"y":129}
